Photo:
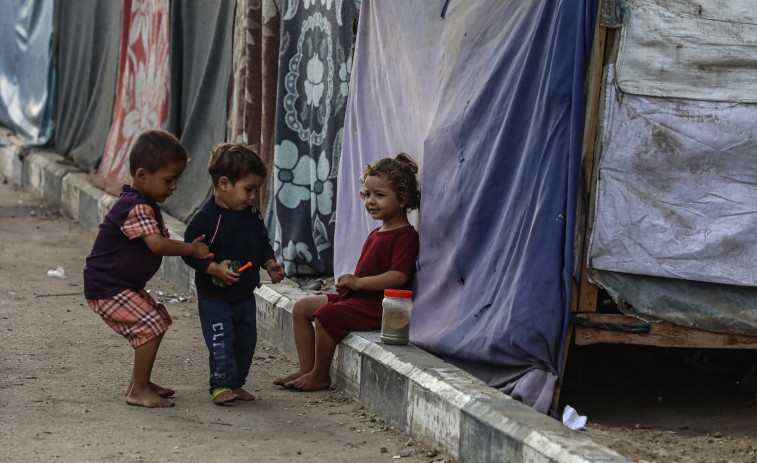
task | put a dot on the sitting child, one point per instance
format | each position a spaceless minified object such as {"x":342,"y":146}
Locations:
{"x":387,"y":261}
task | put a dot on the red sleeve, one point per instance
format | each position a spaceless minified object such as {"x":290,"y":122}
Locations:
{"x":405,"y":251}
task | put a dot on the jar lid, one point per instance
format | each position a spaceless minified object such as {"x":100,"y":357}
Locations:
{"x":398,"y":293}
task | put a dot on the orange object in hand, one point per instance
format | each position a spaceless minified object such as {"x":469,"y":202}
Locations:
{"x":244,"y":267}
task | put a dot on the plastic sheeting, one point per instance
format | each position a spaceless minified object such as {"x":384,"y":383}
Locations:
{"x":26,"y":72}
{"x":676,"y":194}
{"x":703,"y":50}
{"x":201,"y":44}
{"x":489,"y":100}
{"x":87,"y":59}
{"x":695,"y":304}
{"x":315,"y":60}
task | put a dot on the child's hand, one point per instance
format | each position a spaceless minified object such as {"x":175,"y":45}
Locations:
{"x":200,"y":250}
{"x":275,"y":271}
{"x":222,"y":271}
{"x":346,"y":283}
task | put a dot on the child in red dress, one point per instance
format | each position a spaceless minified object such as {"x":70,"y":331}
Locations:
{"x":390,"y":189}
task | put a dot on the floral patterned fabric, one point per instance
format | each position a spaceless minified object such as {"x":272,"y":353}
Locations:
{"x":142,"y":88}
{"x":253,"y":85}
{"x":315,"y":61}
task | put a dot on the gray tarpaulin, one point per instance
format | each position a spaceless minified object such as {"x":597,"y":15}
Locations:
{"x":87,"y":63}
{"x":703,"y":49}
{"x":704,"y":306}
{"x":676,"y":199}
{"x":201,"y":34}
{"x":676,"y":192}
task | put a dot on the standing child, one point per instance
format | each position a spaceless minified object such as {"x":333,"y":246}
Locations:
{"x":235,"y":232}
{"x":129,"y":249}
{"x":390,"y":189}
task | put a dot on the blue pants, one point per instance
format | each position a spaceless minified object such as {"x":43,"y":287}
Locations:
{"x":230,"y":332}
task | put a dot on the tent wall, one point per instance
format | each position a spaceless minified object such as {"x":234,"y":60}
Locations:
{"x":489,"y":100}
{"x":88,"y":38}
{"x":252,"y":100}
{"x":201,"y":34}
{"x":673,"y":230}
{"x":676,"y":193}
{"x":26,"y":71}
{"x":699,"y":50}
{"x":142,"y":86}
{"x":315,"y":59}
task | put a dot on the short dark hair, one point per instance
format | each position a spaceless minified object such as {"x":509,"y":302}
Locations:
{"x":235,"y":161}
{"x":400,"y":172}
{"x":154,"y":149}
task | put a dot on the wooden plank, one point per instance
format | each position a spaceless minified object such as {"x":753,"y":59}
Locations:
{"x":587,"y":292}
{"x":662,"y":334}
{"x":594,"y":76}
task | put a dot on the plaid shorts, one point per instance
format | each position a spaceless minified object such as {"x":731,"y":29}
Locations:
{"x":135,"y":316}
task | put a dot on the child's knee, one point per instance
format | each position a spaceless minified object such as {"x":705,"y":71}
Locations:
{"x":306,"y":307}
{"x":300,"y":308}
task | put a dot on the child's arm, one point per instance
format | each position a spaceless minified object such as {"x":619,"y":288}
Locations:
{"x":163,"y":246}
{"x":387,"y":280}
{"x":274,"y":269}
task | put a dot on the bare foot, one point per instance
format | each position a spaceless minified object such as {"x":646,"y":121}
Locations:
{"x":224,"y":398}
{"x":241,"y":394}
{"x":288,"y":379}
{"x":309,"y":382}
{"x":161,"y":391}
{"x":147,"y":399}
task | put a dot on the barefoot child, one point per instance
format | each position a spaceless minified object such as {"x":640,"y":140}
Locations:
{"x":390,"y":189}
{"x":128,"y":250}
{"x":235,"y":232}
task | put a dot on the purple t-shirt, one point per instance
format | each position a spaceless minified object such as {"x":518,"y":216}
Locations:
{"x":120,"y":258}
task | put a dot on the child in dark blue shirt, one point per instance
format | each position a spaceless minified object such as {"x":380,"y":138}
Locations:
{"x":234,"y":231}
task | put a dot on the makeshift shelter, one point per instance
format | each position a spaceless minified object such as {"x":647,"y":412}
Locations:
{"x":489,"y":98}
{"x":673,"y":227}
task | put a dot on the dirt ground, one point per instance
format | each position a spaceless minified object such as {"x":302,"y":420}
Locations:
{"x":666,"y":405}
{"x":63,"y":373}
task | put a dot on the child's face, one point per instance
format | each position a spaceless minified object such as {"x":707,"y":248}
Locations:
{"x":158,"y":185}
{"x":237,"y":196}
{"x":381,"y":201}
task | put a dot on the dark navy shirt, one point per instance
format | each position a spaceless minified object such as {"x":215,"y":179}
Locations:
{"x":230,"y":235}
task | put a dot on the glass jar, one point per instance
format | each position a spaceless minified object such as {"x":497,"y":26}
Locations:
{"x":395,"y":318}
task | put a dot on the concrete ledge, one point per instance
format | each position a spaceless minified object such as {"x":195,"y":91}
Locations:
{"x":418,"y":393}
{"x":432,"y":400}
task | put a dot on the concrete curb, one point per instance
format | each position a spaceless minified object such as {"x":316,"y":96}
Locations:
{"x":415,"y":391}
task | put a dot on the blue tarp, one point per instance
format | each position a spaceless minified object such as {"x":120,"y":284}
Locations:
{"x":489,"y":100}
{"x":26,"y":73}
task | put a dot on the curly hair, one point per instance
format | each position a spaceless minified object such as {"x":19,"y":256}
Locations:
{"x":235,"y":161}
{"x":401,"y":173}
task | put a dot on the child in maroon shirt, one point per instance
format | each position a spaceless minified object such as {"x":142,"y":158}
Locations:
{"x":128,"y":250}
{"x":390,"y":189}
